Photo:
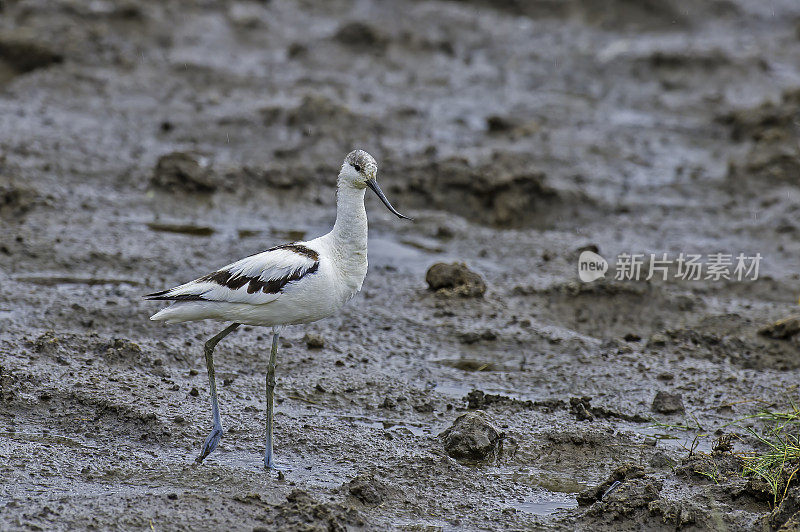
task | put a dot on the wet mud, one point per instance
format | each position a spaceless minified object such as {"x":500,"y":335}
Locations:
{"x":143,"y":144}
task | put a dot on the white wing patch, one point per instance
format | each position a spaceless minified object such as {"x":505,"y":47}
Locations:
{"x":257,"y":280}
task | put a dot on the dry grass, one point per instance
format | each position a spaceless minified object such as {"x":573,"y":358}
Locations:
{"x":779,"y":462}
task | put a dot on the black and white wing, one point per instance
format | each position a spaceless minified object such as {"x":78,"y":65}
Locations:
{"x":257,"y":279}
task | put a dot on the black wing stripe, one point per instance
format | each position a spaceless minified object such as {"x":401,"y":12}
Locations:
{"x":184,"y":297}
{"x":300,"y":250}
{"x":228,"y":280}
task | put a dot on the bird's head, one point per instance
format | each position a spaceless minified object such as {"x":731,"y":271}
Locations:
{"x":360,"y":170}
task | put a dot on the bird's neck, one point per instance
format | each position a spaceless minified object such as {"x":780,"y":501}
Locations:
{"x":350,"y":230}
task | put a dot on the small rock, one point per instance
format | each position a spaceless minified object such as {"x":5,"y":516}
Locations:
{"x":781,"y":329}
{"x":193,"y":392}
{"x":471,"y":437}
{"x":357,"y":34}
{"x":368,"y":489}
{"x":314,"y":341}
{"x":668,"y":403}
{"x":455,"y":280}
{"x":183,"y":172}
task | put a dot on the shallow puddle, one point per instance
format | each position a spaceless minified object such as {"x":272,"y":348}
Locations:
{"x":546,"y":503}
{"x":182,"y":229}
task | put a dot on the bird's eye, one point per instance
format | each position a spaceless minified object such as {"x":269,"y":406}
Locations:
{"x":357,"y":167}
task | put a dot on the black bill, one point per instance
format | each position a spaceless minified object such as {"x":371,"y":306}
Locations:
{"x":371,"y":183}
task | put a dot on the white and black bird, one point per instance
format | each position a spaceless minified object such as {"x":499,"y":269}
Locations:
{"x":290,"y":284}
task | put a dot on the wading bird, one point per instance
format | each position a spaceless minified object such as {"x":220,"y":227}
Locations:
{"x":285,"y":285}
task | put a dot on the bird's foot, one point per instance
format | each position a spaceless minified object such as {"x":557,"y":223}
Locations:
{"x":210,"y":444}
{"x":270,"y":464}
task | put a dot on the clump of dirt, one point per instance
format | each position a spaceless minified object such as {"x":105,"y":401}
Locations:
{"x":628,"y":500}
{"x":361,"y":36}
{"x":471,"y":438}
{"x":314,"y":340}
{"x":302,"y":512}
{"x":280,"y":176}
{"x":767,"y":122}
{"x":677,"y":513}
{"x":179,"y":172}
{"x":786,"y":516}
{"x":319,"y":116}
{"x":668,"y":403}
{"x":729,"y":336}
{"x":685,"y":69}
{"x":710,"y":467}
{"x":121,"y":350}
{"x":368,"y":489}
{"x":620,"y":475}
{"x":582,"y":409}
{"x":773,"y":129}
{"x":455,"y":279}
{"x":476,"y":399}
{"x":16,"y":199}
{"x":634,"y":498}
{"x":782,"y":329}
{"x":9,"y":384}
{"x":648,"y":14}
{"x":505,"y":191}
{"x":23,"y":52}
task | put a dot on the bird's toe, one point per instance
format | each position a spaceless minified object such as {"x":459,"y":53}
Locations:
{"x":210,"y":444}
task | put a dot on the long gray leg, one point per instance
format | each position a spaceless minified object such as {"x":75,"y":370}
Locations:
{"x":269,"y":462}
{"x":216,"y":432}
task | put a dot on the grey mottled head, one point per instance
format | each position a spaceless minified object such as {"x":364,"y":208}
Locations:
{"x":360,"y":170}
{"x":362,"y":162}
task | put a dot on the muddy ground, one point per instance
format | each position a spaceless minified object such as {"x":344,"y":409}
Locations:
{"x":516,"y":134}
